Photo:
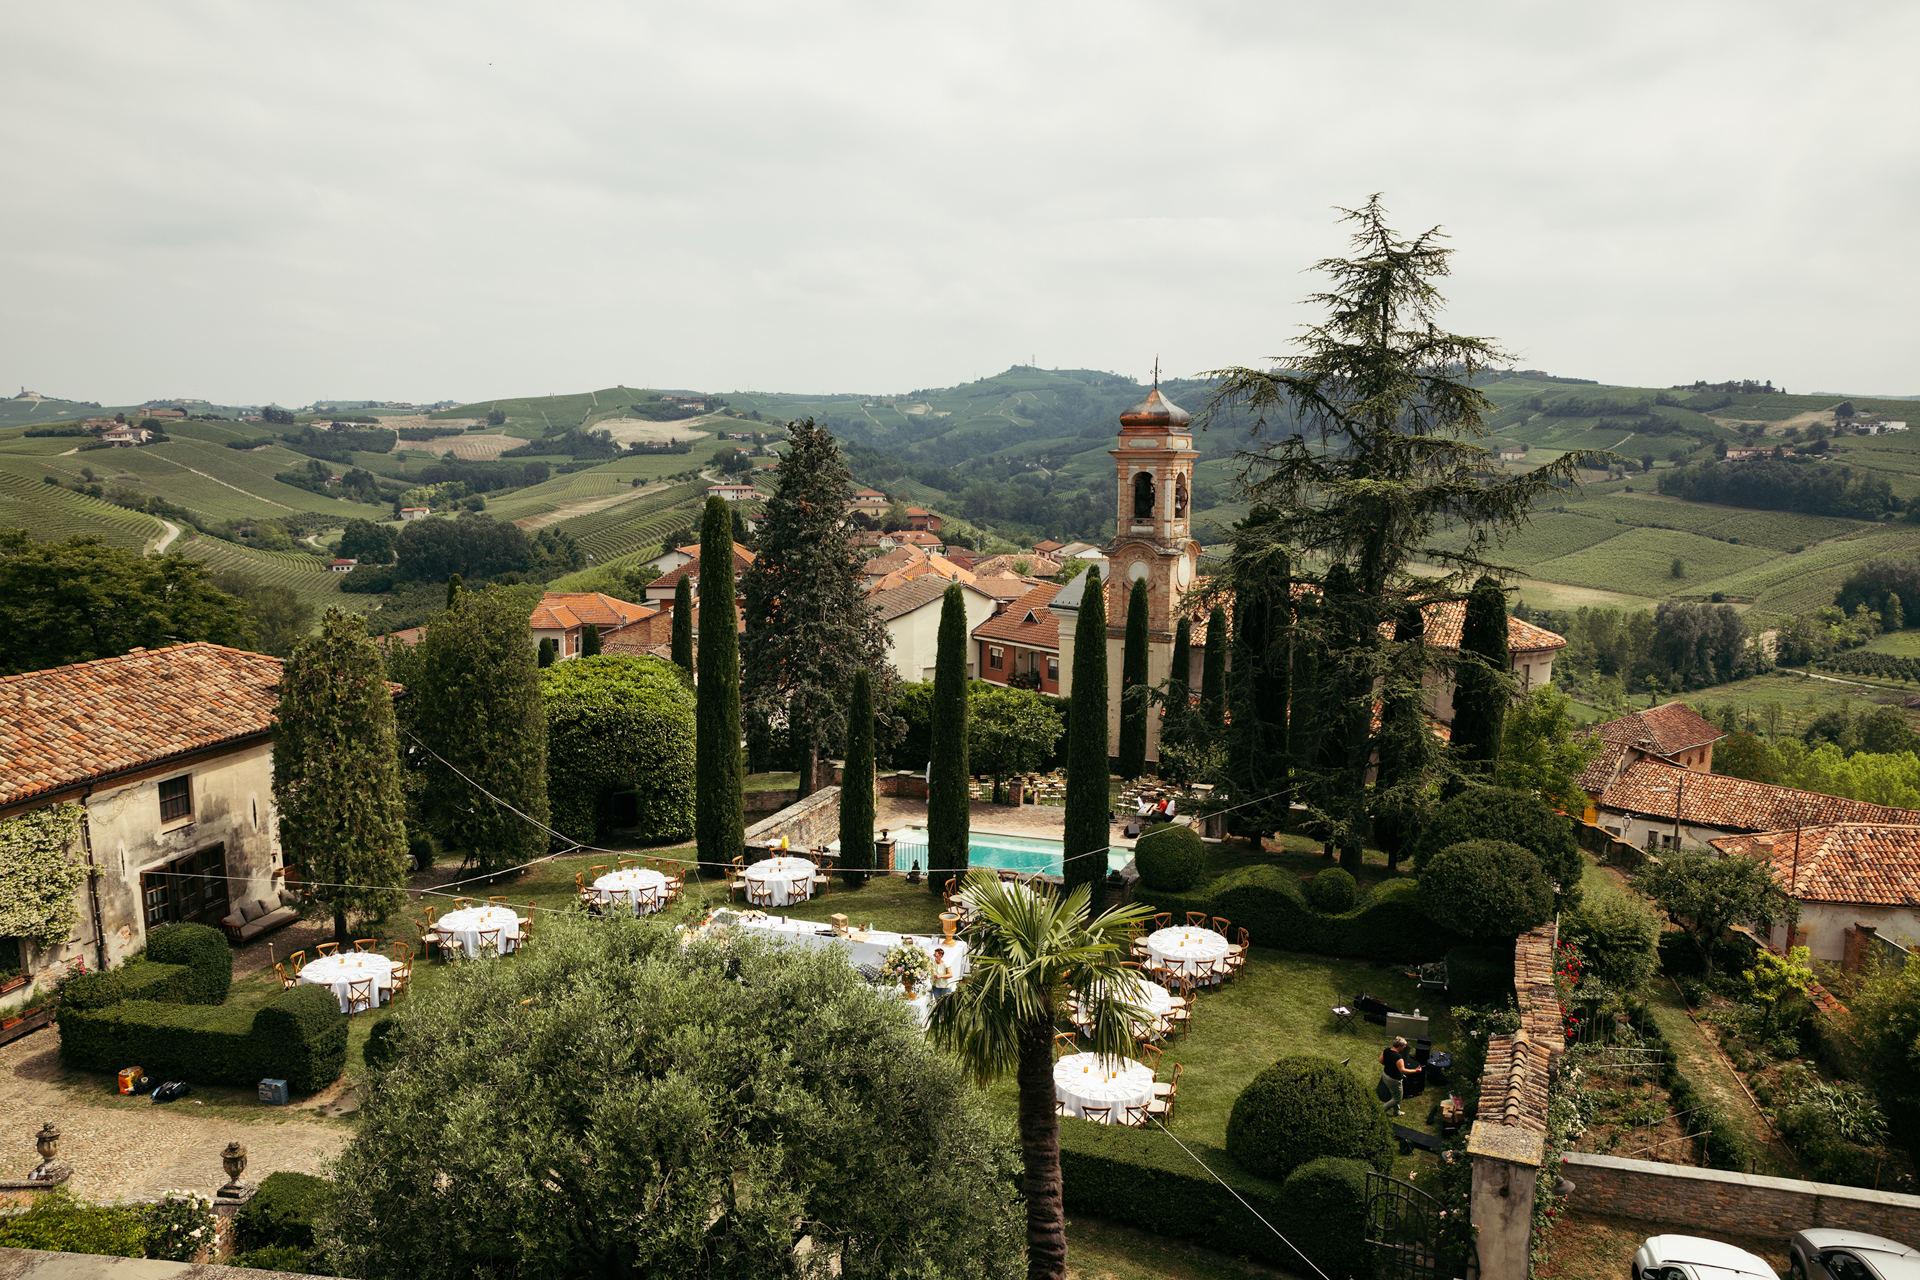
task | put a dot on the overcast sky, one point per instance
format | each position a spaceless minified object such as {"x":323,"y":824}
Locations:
{"x":265,"y":200}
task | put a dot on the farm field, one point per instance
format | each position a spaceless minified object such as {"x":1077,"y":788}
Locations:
{"x":639,"y":524}
{"x":215,"y":483}
{"x":307,"y":575}
{"x":51,"y":514}
{"x":1641,"y":561}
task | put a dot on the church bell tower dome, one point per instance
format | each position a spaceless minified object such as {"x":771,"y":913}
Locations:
{"x":1153,"y":536}
{"x":1155,"y":411}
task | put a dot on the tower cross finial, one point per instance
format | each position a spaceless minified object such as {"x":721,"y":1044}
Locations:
{"x":1156,"y":373}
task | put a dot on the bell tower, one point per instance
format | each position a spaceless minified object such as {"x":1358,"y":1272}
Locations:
{"x":1153,"y":538}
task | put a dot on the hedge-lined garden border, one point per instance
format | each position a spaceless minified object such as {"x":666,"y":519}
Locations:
{"x":1271,"y":905}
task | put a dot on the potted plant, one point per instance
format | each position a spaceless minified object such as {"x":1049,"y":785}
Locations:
{"x":907,"y":964}
{"x":11,"y":980}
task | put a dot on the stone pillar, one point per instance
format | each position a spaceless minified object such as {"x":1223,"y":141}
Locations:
{"x":1505,"y":1161}
{"x":1017,"y":792}
{"x":883,"y":856}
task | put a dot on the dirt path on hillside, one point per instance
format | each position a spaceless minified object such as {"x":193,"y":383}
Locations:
{"x":166,"y":539}
{"x":587,"y":506}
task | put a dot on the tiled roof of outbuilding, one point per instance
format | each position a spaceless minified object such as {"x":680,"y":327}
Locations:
{"x":68,"y":725}
{"x":1866,"y":863}
{"x":1027,"y":621}
{"x":1735,"y":804}
{"x":1664,"y":730}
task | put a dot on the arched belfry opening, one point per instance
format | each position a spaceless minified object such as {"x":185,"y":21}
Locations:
{"x":1143,"y":496}
{"x":1180,"y":497}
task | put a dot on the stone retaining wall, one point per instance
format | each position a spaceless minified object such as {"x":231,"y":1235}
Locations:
{"x":769,"y":801}
{"x":1713,"y":1200}
{"x":903,"y":783}
{"x":806,"y":823}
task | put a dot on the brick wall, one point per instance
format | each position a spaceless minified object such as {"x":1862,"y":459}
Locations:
{"x":1705,"y":1201}
{"x":769,"y":801}
{"x":903,"y":783}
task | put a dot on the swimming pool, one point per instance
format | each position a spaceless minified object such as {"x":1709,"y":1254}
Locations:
{"x":1003,"y":853}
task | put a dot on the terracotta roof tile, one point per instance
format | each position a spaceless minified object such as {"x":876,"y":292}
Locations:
{"x":1649,"y":787}
{"x":1027,"y":621}
{"x":1605,"y":767}
{"x":902,"y":598}
{"x":1865,"y":863}
{"x":589,"y":607}
{"x":1446,"y":619}
{"x":67,"y":725}
{"x":1664,"y":730}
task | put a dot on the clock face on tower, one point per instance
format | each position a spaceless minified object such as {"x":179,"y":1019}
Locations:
{"x":1182,"y":572}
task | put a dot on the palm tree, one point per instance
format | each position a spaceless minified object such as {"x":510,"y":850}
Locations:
{"x":1030,"y":952}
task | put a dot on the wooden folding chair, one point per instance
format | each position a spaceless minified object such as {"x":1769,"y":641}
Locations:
{"x":823,"y":876}
{"x":1064,"y":1040}
{"x":366,"y":946}
{"x":1167,"y":1088}
{"x":299,"y":961}
{"x":1096,"y":1115}
{"x":1196,"y":919}
{"x":1221,"y":925}
{"x":489,"y":942}
{"x":1149,"y":1054}
{"x":496,"y":902}
{"x":525,"y":923}
{"x":287,"y":981}
{"x":359,"y":996}
{"x":461,"y":904}
{"x":326,"y":948}
{"x":799,"y":890}
{"x":1135,"y":1117}
{"x":1164,"y":920}
{"x":759,"y":892}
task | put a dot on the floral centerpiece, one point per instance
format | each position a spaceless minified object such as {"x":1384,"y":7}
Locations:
{"x":907,"y":964}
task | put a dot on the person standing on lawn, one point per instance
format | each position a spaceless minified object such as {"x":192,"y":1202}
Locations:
{"x":1394,"y":1070}
{"x":942,"y":975}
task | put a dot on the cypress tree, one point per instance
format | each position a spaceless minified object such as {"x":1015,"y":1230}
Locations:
{"x":856,"y":787}
{"x":590,"y":641}
{"x":453,"y":590}
{"x":1133,"y":685}
{"x":1176,"y":724}
{"x":547,"y":651}
{"x":719,"y":809}
{"x":683,"y":625}
{"x":1085,"y":836}
{"x":473,"y":685}
{"x":336,"y":769}
{"x":1407,"y":746}
{"x":949,"y":799}
{"x":1481,"y":687}
{"x":1259,"y":757}
{"x":1213,"y":673}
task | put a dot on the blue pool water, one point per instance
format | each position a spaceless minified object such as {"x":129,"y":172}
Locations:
{"x":1003,"y":853}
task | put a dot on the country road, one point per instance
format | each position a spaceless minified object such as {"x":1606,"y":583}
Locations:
{"x":173,"y":531}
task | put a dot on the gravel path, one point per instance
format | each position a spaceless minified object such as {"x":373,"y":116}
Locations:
{"x":123,"y":1149}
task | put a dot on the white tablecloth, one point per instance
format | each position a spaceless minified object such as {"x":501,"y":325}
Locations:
{"x":1152,"y":995}
{"x":466,"y":925}
{"x":620,"y":886}
{"x":868,"y":948}
{"x":1191,"y":951}
{"x":1085,"y":1079}
{"x":338,"y":970}
{"x":779,"y":874}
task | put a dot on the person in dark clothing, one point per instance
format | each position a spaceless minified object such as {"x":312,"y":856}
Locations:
{"x":1394,"y":1070}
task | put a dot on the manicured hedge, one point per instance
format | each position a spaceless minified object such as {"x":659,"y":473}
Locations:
{"x":283,"y":1211}
{"x":1480,"y":973}
{"x":1272,"y":907}
{"x":1334,"y":891}
{"x":299,"y":1036}
{"x":1143,"y":1178}
{"x":140,"y":980}
{"x":201,"y":949}
{"x":1304,"y":1108}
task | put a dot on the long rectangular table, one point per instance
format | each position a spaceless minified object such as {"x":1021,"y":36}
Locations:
{"x":863,"y":948}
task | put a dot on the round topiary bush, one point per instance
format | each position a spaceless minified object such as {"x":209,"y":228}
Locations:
{"x":1333,"y":892}
{"x":615,"y":722}
{"x":1302,"y":1108}
{"x":1486,"y":889}
{"x":1170,"y":857}
{"x":1326,"y":1203}
{"x":1496,"y":813}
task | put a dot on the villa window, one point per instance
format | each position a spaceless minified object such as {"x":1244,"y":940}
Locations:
{"x":176,"y":799}
{"x":995,"y":657}
{"x":1053,"y":670}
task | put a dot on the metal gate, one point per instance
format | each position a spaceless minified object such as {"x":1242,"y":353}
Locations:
{"x":1403,"y":1225}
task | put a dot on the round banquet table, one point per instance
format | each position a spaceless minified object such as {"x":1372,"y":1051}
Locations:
{"x":338,"y":970}
{"x":1082,"y":1080}
{"x":778,"y":874}
{"x":467,"y":926}
{"x":1189,"y":950}
{"x":1155,"y":998}
{"x":638,"y":887}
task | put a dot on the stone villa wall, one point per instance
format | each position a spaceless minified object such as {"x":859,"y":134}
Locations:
{"x":1713,"y":1200}
{"x":809,"y":822}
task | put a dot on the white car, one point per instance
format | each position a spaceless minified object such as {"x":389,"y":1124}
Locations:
{"x":1821,"y":1254}
{"x":1691,"y":1258}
